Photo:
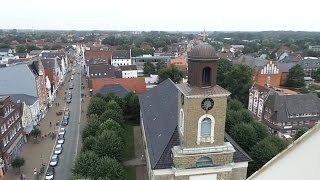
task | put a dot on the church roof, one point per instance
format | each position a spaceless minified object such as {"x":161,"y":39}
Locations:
{"x":159,"y":107}
{"x":203,"y":51}
{"x":188,"y":90}
{"x":159,"y":118}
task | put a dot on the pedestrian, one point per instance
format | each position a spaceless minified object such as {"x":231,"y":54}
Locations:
{"x":50,"y":123}
{"x":58,"y":104}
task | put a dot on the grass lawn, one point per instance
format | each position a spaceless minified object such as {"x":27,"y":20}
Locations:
{"x":129,"y":173}
{"x":128,"y":152}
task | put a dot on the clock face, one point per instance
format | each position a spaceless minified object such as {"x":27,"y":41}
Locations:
{"x":207,"y":104}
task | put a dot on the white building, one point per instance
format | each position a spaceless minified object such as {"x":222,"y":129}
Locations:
{"x":129,"y":71}
{"x":299,"y":161}
{"x":121,"y":58}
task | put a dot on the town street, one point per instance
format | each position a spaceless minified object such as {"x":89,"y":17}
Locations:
{"x":70,"y":146}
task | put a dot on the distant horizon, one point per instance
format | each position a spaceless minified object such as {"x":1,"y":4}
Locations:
{"x":26,"y":29}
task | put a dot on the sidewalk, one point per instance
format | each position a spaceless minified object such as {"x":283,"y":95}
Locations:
{"x":36,"y":154}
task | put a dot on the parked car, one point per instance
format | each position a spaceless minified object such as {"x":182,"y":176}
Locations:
{"x":60,"y":139}
{"x":68,"y":100}
{"x":58,"y":149}
{"x":70,"y":94}
{"x":62,"y":131}
{"x":54,"y":160}
{"x":70,"y":86}
{"x":72,"y":77}
{"x":50,"y":173}
{"x":65,"y":122}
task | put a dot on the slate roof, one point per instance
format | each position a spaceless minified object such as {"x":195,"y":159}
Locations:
{"x":285,"y":67}
{"x":36,"y":52}
{"x":283,"y":105}
{"x":128,"y":68}
{"x":49,"y":63}
{"x":29,"y":100}
{"x":160,"y":120}
{"x":4,"y":50}
{"x":52,"y":55}
{"x":117,"y":89}
{"x":34,"y":67}
{"x":102,"y":70}
{"x":251,"y":61}
{"x":121,"y":54}
{"x":309,"y":63}
{"x":17,"y":79}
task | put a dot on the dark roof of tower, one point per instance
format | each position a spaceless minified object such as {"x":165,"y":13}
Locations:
{"x":203,"y":51}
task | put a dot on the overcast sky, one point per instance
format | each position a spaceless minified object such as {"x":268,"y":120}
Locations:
{"x":166,"y":15}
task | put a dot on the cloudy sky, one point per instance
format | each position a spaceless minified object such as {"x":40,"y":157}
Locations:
{"x":167,"y":15}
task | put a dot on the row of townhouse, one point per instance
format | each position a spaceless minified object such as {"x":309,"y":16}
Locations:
{"x":27,"y":90}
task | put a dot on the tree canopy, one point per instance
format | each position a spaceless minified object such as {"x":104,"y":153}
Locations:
{"x":149,"y":68}
{"x":295,"y":77}
{"x":238,"y":81}
{"x":109,"y":143}
{"x":224,"y":66}
{"x":96,"y":106}
{"x":245,"y":135}
{"x":111,"y":114}
{"x":171,"y":72}
{"x":300,"y":132}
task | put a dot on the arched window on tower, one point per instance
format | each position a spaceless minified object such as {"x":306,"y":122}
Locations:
{"x":206,"y":127}
{"x":204,"y":162}
{"x":206,"y":76}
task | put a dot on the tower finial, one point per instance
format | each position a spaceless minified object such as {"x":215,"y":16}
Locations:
{"x":204,"y":34}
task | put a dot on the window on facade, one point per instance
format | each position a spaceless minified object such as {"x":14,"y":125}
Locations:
{"x":306,"y":122}
{"x":204,"y":162}
{"x":288,"y":123}
{"x":206,"y":76}
{"x":206,"y":127}
{"x":181,"y":121}
{"x":300,"y":122}
{"x":294,"y":123}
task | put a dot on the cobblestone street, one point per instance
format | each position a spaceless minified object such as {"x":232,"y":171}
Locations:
{"x":37,"y":153}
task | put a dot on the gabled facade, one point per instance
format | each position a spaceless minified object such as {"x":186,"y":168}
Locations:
{"x":121,"y":58}
{"x":129,"y":71}
{"x":11,"y":137}
{"x":183,"y":126}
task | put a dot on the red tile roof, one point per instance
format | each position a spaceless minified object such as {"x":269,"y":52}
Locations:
{"x":135,"y":84}
{"x":93,"y":55}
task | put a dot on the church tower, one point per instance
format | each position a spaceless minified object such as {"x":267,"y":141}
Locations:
{"x":202,"y":113}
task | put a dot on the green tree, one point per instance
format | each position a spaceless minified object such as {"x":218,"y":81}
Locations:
{"x":224,"y":66}
{"x":35,"y":132}
{"x":114,"y":106}
{"x":234,"y":104}
{"x":245,"y":135}
{"x":295,"y":77}
{"x":262,"y":130}
{"x":96,"y":106}
{"x":21,"y":49}
{"x":149,"y":68}
{"x":111,"y":114}
{"x":300,"y":132}
{"x":92,"y":127}
{"x":108,"y":168}
{"x":160,"y":66}
{"x":231,"y":120}
{"x":18,"y":162}
{"x":317,"y":75}
{"x":264,"y":151}
{"x":171,"y":72}
{"x":238,"y":81}
{"x":4,"y":45}
{"x":88,"y":143}
{"x":113,"y":96}
{"x":86,"y":164}
{"x":132,"y":105}
{"x":109,"y":143}
{"x":111,"y":125}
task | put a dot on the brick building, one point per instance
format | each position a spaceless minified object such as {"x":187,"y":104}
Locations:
{"x":94,"y":56}
{"x":183,"y":126}
{"x":11,"y":137}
